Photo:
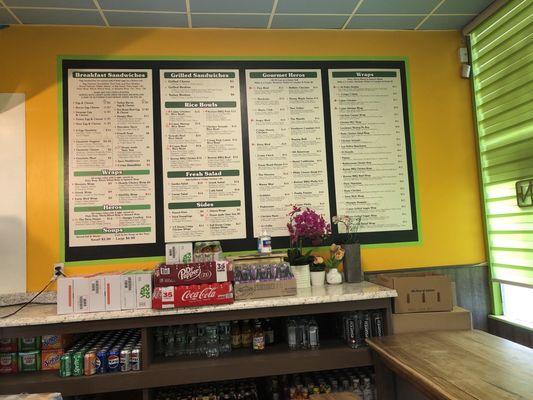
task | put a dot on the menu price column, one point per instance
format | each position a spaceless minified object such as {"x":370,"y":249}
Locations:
{"x":287,"y":146}
{"x":111,"y":157}
{"x":370,"y":159}
{"x":203,"y":180}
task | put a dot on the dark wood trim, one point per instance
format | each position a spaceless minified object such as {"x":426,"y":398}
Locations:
{"x":174,"y":319}
{"x":512,"y":332}
{"x":385,"y":380}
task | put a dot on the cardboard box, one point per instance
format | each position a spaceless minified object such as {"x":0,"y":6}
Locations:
{"x":51,"y":342}
{"x":50,"y":359}
{"x":143,"y":288}
{"x":127,"y":292}
{"x":112,"y":291}
{"x":97,"y":293}
{"x":457,"y":319}
{"x":193,"y":273}
{"x":192,"y":295}
{"x":262,"y":289}
{"x":65,"y":296}
{"x":422,"y":292}
{"x":82,"y":294}
{"x":177,"y":253}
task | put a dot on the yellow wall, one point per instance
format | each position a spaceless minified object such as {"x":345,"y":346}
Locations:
{"x":442,"y":113}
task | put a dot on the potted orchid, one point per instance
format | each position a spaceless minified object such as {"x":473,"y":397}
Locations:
{"x":347,"y":228}
{"x":305,"y":225}
{"x":334,"y":264}
{"x":318,"y":271}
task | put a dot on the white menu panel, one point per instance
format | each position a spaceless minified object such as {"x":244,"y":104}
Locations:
{"x":111,"y":157}
{"x":287,"y":145}
{"x":203,"y":184}
{"x":370,"y":163}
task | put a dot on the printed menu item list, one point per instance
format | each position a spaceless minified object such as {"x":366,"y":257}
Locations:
{"x":370,"y":163}
{"x":111,"y":157}
{"x":287,"y":146}
{"x":203,"y":180}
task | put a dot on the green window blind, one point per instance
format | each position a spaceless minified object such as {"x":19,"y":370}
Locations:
{"x":502,"y":68}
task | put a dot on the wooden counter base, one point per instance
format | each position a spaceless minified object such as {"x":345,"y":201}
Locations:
{"x":454,"y":365}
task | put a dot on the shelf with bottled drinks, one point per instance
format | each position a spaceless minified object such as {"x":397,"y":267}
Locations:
{"x":159,"y":370}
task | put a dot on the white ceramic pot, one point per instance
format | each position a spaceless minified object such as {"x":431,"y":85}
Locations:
{"x":334,"y":277}
{"x":318,"y":278}
{"x":302,"y":275}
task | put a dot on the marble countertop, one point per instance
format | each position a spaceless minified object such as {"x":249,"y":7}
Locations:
{"x":46,"y":314}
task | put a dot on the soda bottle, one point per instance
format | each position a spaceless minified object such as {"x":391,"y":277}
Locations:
{"x":169,"y":342}
{"x":258,"y":342}
{"x":236,"y":341}
{"x":291,"y":334}
{"x":314,"y":340}
{"x":192,"y":340}
{"x":269,"y":332}
{"x":159,"y":342}
{"x":246,"y":334}
{"x":302,"y":334}
{"x":356,"y":388}
{"x":180,"y":340}
{"x":368,"y":392}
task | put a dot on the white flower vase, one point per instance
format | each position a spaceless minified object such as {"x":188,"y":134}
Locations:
{"x":302,"y":275}
{"x":334,"y":277}
{"x":318,"y":278}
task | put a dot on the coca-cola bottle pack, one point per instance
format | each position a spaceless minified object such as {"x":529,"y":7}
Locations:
{"x":192,"y":295}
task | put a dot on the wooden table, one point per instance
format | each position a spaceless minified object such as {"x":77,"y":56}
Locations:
{"x":470,"y":365}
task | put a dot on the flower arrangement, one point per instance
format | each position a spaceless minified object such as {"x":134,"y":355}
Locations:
{"x":350,"y":227}
{"x":336,"y":255}
{"x":318,"y":265}
{"x":304,"y":223}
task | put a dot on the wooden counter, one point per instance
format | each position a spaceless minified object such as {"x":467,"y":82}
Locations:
{"x":458,"y":365}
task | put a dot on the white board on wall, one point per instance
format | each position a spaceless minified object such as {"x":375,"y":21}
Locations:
{"x":13,"y":198}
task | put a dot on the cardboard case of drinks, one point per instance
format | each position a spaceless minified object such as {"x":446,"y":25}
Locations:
{"x":192,"y":295}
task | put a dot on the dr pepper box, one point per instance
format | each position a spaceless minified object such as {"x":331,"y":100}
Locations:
{"x":193,"y":273}
{"x":192,"y":295}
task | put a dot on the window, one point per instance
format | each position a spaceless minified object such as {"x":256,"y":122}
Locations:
{"x":502,"y":65}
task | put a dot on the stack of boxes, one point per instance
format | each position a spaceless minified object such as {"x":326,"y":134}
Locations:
{"x":111,"y":291}
{"x":424,"y":303}
{"x":32,"y":353}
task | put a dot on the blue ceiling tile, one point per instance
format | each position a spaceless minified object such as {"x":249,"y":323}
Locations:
{"x":463,"y":6}
{"x":144,"y":5}
{"x":384,"y":22}
{"x":117,"y":18}
{"x":58,"y":17}
{"x":316,"y":6}
{"x":6,"y":18}
{"x":441,"y":22}
{"x":397,"y":6}
{"x":308,"y":21}
{"x":51,"y":3}
{"x":229,"y":21}
{"x":232,"y":6}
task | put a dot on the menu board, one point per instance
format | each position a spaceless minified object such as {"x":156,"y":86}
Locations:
{"x":203,"y":182}
{"x":164,"y":151}
{"x":371,"y":178}
{"x":287,"y":146}
{"x":111,"y":157}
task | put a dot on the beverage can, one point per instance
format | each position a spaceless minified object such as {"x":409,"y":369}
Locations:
{"x":89,"y":363}
{"x":101,"y":361}
{"x":135,"y":359}
{"x":377,"y":324}
{"x":65,"y":365}
{"x":77,"y":363}
{"x":365,"y":320}
{"x":113,"y":360}
{"x":125,"y":356}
